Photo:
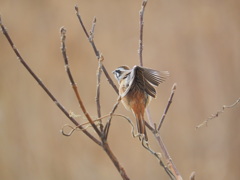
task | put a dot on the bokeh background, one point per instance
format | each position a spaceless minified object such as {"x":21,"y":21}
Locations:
{"x":198,"y":42}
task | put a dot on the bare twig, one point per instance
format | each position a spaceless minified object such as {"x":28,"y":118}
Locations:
{"x":170,"y":164}
{"x":141,"y":14}
{"x":42,"y":84}
{"x":159,"y":157}
{"x":91,"y":34}
{"x":74,"y":86}
{"x":160,"y":142}
{"x":174,"y":172}
{"x":106,"y":129}
{"x":204,"y":123}
{"x":99,"y":72}
{"x":115,"y":161}
{"x":144,"y":143}
{"x":149,"y":117}
{"x":98,"y":55}
{"x":168,"y":105}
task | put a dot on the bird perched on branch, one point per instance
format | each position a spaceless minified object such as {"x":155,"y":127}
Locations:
{"x":136,"y":88}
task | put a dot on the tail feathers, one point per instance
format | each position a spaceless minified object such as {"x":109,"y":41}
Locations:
{"x":141,"y":127}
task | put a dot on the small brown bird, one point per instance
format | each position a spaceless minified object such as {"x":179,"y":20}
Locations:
{"x":136,"y":88}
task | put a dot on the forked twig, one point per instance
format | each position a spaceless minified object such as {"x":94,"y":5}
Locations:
{"x":98,"y":55}
{"x":204,"y":123}
{"x":159,"y":157}
{"x":42,"y":85}
{"x":101,"y":135}
{"x":99,"y":72}
{"x":74,"y":86}
{"x":146,"y":145}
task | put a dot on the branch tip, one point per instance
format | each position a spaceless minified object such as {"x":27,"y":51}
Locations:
{"x":76,"y":8}
{"x":63,"y":30}
{"x":94,"y":19}
{"x":174,"y":86}
{"x":144,"y":3}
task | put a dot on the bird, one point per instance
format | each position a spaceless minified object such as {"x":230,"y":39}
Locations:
{"x":136,"y":89}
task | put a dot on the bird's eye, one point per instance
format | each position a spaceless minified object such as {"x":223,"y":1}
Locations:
{"x":118,"y":71}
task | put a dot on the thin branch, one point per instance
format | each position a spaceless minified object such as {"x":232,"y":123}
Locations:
{"x":42,"y":84}
{"x":74,"y":86}
{"x":170,"y":163}
{"x":91,"y":36}
{"x":98,"y":55}
{"x":108,"y":124}
{"x":99,"y":72}
{"x":204,"y":123}
{"x":160,"y":142}
{"x":115,"y":161}
{"x":146,"y":146}
{"x":159,"y":157}
{"x":149,"y":117}
{"x":141,"y":14}
{"x":174,"y":172}
{"x":168,"y":105}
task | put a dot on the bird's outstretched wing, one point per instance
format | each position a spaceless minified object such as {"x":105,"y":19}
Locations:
{"x":146,"y":79}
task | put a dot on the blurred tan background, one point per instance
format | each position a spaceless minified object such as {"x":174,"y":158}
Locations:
{"x":197,"y":41}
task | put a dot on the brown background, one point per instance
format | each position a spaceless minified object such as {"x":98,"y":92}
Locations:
{"x":197,"y":41}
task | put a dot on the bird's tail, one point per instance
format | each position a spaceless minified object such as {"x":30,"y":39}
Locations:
{"x":141,"y":126}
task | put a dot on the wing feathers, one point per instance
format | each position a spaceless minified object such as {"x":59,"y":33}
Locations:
{"x":146,"y":79}
{"x":155,"y":77}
